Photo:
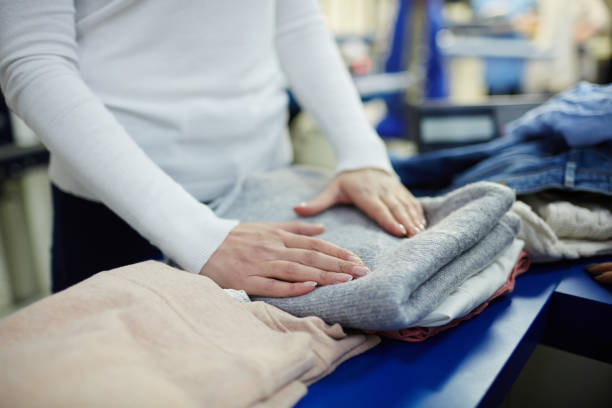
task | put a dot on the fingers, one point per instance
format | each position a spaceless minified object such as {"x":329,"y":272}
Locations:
{"x":301,"y":228}
{"x":398,"y":214}
{"x":320,"y":203}
{"x":403,"y":214}
{"x":311,"y":259}
{"x":327,"y":263}
{"x":296,"y":272}
{"x":602,"y":272}
{"x":269,"y":259}
{"x":381,"y":213}
{"x":318,"y":245}
{"x":262,"y":286}
{"x":605,"y":278}
{"x":378,"y":194}
{"x":415,"y":208}
{"x":595,"y":269}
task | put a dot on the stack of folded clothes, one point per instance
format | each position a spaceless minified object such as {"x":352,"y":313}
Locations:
{"x":557,"y":158}
{"x":150,"y":335}
{"x":564,"y":144}
{"x":471,"y":298}
{"x":469,"y":245}
{"x":564,"y":225}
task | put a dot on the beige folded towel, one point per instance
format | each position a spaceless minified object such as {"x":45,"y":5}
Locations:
{"x":150,"y":335}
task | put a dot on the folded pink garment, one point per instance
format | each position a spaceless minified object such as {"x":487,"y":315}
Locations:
{"x":416,"y":334}
{"x":150,"y":335}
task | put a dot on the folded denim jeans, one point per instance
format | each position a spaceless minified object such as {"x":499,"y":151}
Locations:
{"x":467,"y":229}
{"x":581,"y":114}
{"x":524,"y":163}
{"x":564,"y":144}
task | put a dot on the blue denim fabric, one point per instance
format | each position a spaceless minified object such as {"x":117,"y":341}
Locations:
{"x":583,"y":115}
{"x":533,"y":156}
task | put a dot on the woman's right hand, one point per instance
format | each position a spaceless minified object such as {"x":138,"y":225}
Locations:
{"x":280,"y":260}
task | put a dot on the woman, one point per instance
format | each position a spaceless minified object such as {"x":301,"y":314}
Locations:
{"x":151,"y":109}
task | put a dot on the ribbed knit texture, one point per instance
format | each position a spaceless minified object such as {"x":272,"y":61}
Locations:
{"x":467,"y":229}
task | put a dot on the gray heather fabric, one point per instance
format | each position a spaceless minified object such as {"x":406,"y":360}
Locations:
{"x":467,"y":229}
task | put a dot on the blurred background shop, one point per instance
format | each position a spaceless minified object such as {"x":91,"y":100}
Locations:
{"x":432,"y":74}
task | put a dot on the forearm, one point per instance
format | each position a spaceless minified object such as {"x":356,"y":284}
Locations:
{"x":323,"y":87}
{"x":41,"y":83}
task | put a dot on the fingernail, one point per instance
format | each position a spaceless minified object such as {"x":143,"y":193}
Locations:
{"x":302,"y":204}
{"x":355,"y":259}
{"x":309,"y":283}
{"x":402,"y":229}
{"x":360,"y":270}
{"x":344,"y":277}
{"x":422,"y":226}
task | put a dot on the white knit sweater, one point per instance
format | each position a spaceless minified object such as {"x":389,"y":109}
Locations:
{"x":153,"y":106}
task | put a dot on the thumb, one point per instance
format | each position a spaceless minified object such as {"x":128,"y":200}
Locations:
{"x":318,"y":204}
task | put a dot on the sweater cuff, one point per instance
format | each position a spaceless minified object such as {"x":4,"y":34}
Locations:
{"x":200,"y":244}
{"x":374,"y":155}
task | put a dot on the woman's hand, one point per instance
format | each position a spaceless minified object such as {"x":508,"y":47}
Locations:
{"x":279,"y":260}
{"x":602,"y":272}
{"x":378,"y":194}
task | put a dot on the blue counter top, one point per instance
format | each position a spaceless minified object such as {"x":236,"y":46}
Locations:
{"x":474,"y":364}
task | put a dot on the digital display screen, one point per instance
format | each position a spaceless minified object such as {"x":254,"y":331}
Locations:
{"x":457,"y":129}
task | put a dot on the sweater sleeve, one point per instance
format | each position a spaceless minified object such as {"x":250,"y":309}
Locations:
{"x":321,"y":84}
{"x":41,"y":82}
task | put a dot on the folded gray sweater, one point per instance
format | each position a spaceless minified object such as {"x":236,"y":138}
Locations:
{"x":467,"y":229}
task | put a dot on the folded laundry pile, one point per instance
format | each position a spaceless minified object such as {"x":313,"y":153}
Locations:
{"x":467,"y":301}
{"x":558,"y":225}
{"x":423,"y":331}
{"x":558,"y":159}
{"x":150,"y":335}
{"x":467,"y":230}
{"x":565,"y":144}
{"x":477,"y":289}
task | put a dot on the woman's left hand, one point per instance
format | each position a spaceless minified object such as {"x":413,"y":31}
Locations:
{"x":375,"y":192}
